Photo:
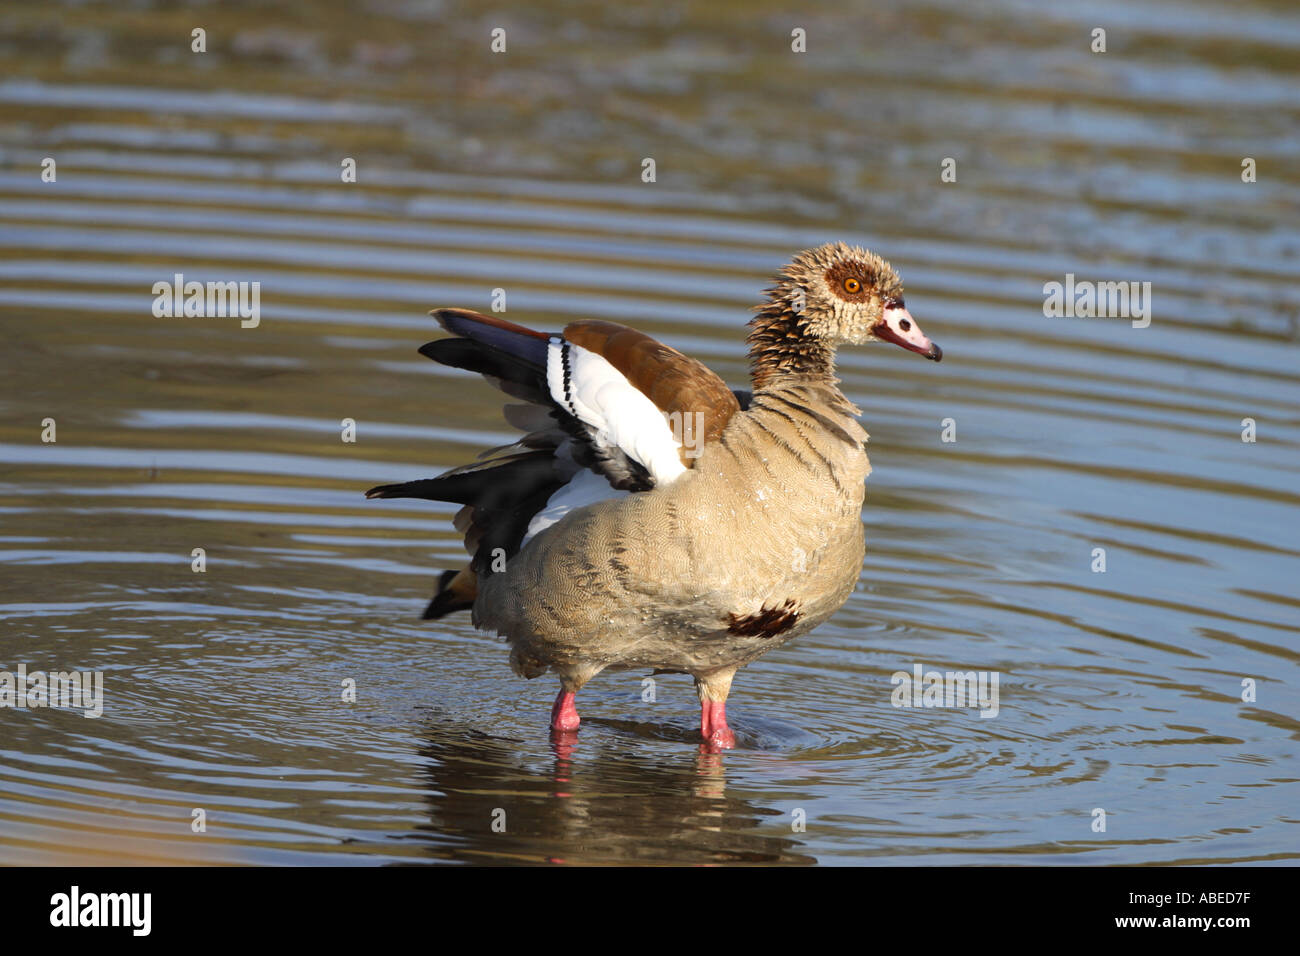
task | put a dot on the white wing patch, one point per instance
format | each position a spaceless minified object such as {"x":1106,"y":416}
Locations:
{"x":622,"y":416}
{"x":586,"y":488}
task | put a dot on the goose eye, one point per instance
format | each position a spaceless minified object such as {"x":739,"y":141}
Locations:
{"x":852,"y":286}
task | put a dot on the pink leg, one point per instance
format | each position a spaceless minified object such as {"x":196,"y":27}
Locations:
{"x":564,"y":715}
{"x":713,"y":725}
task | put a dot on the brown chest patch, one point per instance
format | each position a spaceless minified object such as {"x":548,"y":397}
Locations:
{"x":768,"y":622}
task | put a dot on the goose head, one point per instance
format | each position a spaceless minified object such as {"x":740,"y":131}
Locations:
{"x":845,"y":295}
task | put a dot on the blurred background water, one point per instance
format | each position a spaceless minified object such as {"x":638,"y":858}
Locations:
{"x":522,"y":170}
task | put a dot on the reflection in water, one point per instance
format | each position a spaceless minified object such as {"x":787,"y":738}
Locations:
{"x":595,"y":806}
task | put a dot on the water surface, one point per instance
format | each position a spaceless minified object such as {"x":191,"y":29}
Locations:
{"x":1119,"y":690}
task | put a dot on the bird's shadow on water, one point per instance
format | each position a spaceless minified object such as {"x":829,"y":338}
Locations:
{"x":496,"y":800}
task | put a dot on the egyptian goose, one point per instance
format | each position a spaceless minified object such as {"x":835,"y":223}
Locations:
{"x":652,"y":518}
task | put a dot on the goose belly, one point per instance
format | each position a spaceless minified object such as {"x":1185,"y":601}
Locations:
{"x":712,"y":570}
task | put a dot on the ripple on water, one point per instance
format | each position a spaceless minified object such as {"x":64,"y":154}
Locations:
{"x":229,"y":690}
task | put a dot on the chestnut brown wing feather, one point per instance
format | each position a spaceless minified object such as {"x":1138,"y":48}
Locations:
{"x":676,"y":383}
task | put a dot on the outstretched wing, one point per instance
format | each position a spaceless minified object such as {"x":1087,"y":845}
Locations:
{"x":609,"y":410}
{"x":684,"y":393}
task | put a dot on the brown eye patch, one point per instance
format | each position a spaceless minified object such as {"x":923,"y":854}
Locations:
{"x":847,"y":281}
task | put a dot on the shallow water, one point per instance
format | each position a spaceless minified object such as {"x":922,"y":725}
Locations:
{"x":1119,"y":690}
